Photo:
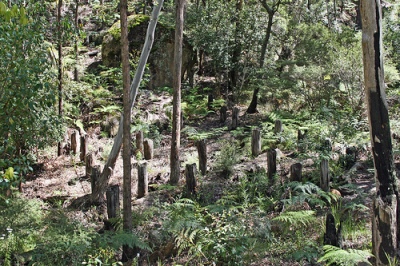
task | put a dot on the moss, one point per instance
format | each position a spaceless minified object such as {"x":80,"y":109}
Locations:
{"x":133,"y":21}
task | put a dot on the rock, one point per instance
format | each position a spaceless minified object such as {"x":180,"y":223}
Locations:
{"x":160,"y":59}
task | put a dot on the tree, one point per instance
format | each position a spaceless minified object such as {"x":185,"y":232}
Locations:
{"x":59,"y":67}
{"x":98,"y":195}
{"x":385,"y":229}
{"x":126,"y":134}
{"x":176,"y":111}
{"x":28,"y":117}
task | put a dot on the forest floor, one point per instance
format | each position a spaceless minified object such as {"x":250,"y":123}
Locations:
{"x":58,"y":181}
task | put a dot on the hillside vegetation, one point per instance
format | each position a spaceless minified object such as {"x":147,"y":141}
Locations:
{"x":290,"y":72}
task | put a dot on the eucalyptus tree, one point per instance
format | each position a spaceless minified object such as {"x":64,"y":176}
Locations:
{"x":176,"y":110}
{"x":385,"y":228}
{"x":98,"y":195}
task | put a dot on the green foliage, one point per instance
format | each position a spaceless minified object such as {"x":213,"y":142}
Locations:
{"x":209,"y":235}
{"x":296,"y":219}
{"x":310,"y":193}
{"x":27,"y":232}
{"x":227,"y":158}
{"x":337,"y":256}
{"x":27,"y":99}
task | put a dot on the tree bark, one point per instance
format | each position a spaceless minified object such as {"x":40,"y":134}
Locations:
{"x":148,"y":149}
{"x":176,"y":113}
{"x":60,"y":69}
{"x":143,"y":180}
{"x":94,"y":177}
{"x":74,"y":141}
{"x":324,"y":178}
{"x":295,"y":172}
{"x":83,"y":148}
{"x":190,"y":173}
{"x":252,"y":109}
{"x":385,"y":229}
{"x":127,"y":252}
{"x":88,"y":164}
{"x":139,"y":141}
{"x":271,"y":161}
{"x":235,"y":118}
{"x":222,"y":114}
{"x":202,"y":151}
{"x":278,"y":127}
{"x":256,"y":142}
{"x":112,"y":158}
{"x":76,"y":12}
{"x":113,"y":207}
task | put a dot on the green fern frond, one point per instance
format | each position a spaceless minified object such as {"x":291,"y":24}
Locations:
{"x":294,"y":218}
{"x":337,"y":256}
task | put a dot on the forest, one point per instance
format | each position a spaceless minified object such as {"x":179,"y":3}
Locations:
{"x":187,"y":132}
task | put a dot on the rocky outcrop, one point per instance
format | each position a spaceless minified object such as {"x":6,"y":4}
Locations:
{"x":162,"y":54}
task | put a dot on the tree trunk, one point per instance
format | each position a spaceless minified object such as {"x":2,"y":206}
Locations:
{"x":271,"y":13}
{"x":202,"y":151}
{"x":143,"y":180}
{"x":113,"y":202}
{"x":295,"y":172}
{"x":74,"y":142}
{"x":83,"y":148}
{"x":271,"y":160}
{"x":385,"y":229}
{"x":76,"y":12}
{"x":94,"y":177}
{"x":254,"y":101}
{"x":112,"y":158}
{"x":222,"y":114}
{"x":278,"y":127}
{"x":148,"y":149}
{"x":176,"y":114}
{"x":127,"y":252}
{"x":139,"y":141}
{"x":237,"y":47}
{"x":88,"y":164}
{"x":60,"y":68}
{"x":190,"y":173}
{"x":235,"y":118}
{"x":324,"y":179}
{"x":255,"y":142}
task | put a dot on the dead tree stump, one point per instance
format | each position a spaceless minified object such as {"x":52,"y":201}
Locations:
{"x":74,"y":142}
{"x":324,"y":184}
{"x":143,"y":180}
{"x":139,"y":141}
{"x":113,"y":207}
{"x":235,"y":118}
{"x":202,"y":151}
{"x":327,"y":145}
{"x":256,"y":142}
{"x":84,"y":145}
{"x":190,"y":174}
{"x":222,"y":114}
{"x":278,"y":127}
{"x":271,"y":161}
{"x":301,"y":140}
{"x":332,"y":236}
{"x":148,"y":149}
{"x":295,"y":172}
{"x":210,"y":101}
{"x":89,"y":164}
{"x":94,"y":177}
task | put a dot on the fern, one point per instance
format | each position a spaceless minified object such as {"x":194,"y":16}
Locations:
{"x":337,"y":256}
{"x":294,"y":218}
{"x":120,"y":238}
